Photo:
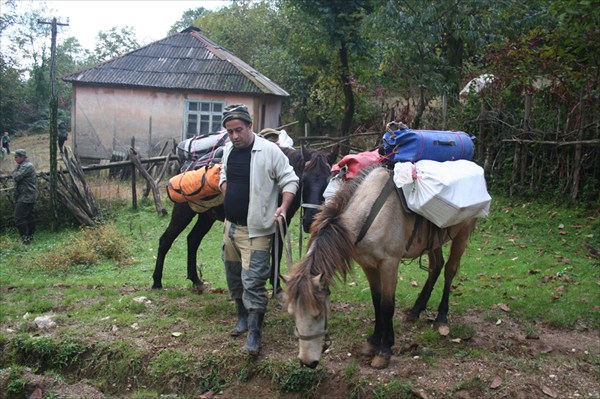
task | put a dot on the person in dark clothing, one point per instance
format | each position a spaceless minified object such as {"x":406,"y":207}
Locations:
{"x":6,"y":142}
{"x":25,"y":180}
{"x":62,"y":135}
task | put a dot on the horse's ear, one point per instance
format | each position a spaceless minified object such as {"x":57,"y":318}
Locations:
{"x":284,"y":278}
{"x":316,"y":281}
{"x":333,"y":155}
{"x":306,"y":153}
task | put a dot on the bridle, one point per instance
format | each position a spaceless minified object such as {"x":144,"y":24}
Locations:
{"x":319,"y":334}
{"x":311,"y":206}
{"x":312,"y":337}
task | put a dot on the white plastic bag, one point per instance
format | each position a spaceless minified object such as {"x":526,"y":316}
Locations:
{"x":284,"y":139}
{"x":334,"y":185}
{"x":446,"y":193}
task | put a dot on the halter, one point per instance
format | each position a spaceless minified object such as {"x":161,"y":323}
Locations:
{"x":311,"y":206}
{"x":312,"y":337}
{"x":320,"y":334}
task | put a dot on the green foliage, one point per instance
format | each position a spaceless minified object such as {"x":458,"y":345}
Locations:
{"x":114,"y":42}
{"x":297,"y":378}
{"x":393,"y":389}
{"x":41,"y":352}
{"x":171,"y":363}
{"x":16,"y":382}
{"x":188,"y":18}
{"x":115,"y":363}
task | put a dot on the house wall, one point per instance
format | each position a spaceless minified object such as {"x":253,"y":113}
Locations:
{"x":104,"y":119}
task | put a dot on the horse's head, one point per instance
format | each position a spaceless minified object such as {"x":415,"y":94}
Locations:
{"x":317,"y":170}
{"x":307,"y":300}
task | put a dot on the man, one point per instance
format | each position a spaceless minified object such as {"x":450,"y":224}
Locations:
{"x":62,"y":135}
{"x":253,"y":173}
{"x":25,"y":193}
{"x":6,"y":143}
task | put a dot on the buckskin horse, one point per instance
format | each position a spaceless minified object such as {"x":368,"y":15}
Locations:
{"x":366,"y":221}
{"x":182,"y":215}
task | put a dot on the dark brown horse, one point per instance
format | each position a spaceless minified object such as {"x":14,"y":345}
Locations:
{"x":347,"y":229}
{"x":182,"y":214}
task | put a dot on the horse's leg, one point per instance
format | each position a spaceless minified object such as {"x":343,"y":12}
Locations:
{"x":181,"y":216}
{"x":371,"y":347}
{"x":388,"y":275}
{"x":459,"y":244}
{"x":436,"y":262}
{"x":194,"y":238}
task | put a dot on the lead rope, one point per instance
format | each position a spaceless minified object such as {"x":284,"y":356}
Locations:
{"x":285,"y":238}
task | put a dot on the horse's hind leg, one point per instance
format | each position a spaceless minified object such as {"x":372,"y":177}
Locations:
{"x":194,"y":238}
{"x":436,"y":262}
{"x":182,"y":216}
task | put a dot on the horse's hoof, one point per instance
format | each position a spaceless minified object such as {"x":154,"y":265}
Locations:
{"x":380,"y":362}
{"x":198,"y":288}
{"x":443,"y":329}
{"x":411,"y":316}
{"x":157,"y":287}
{"x":368,"y":350}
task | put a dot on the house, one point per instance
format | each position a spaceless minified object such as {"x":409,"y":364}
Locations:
{"x":171,"y":89}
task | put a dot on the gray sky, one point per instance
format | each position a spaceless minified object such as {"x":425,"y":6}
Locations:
{"x":151,"y":19}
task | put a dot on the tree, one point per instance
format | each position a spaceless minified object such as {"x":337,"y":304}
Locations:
{"x":338,"y":22}
{"x":114,"y":42}
{"x":188,"y":18}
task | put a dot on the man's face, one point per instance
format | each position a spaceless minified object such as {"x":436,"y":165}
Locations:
{"x":240,"y":133}
{"x":19,"y":159}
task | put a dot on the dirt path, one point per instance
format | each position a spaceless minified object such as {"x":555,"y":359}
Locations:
{"x":498,"y":361}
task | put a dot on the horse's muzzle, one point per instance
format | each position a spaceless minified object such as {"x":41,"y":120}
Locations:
{"x":311,"y":365}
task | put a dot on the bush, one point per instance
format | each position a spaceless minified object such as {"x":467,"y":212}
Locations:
{"x":89,"y":248}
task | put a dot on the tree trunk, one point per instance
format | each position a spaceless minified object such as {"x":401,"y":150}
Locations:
{"x":348,"y":96}
{"x":420,"y":109}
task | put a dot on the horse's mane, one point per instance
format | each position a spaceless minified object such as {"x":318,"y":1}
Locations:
{"x":330,"y":247}
{"x":319,"y":163}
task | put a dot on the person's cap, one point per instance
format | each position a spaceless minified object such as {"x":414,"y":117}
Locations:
{"x":236,"y":111}
{"x":270,"y":134}
{"x":21,"y":153}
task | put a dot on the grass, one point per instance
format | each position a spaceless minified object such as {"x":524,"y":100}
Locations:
{"x":526,"y":261}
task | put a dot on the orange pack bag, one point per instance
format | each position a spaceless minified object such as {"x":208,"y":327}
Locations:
{"x":195,"y":185}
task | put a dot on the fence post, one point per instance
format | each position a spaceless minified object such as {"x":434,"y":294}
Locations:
{"x":133,"y":187}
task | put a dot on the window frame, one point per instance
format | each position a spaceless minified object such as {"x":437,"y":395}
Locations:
{"x":210,"y":116}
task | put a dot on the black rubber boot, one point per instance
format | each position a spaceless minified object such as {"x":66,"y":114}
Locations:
{"x":255,"y":322}
{"x":242,"y":319}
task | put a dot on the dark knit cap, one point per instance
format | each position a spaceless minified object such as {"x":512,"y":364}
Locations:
{"x":236,"y":111}
{"x":20,"y":153}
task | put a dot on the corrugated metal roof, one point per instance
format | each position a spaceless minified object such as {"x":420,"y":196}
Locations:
{"x":186,"y":60}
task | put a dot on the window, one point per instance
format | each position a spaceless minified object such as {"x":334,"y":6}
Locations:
{"x":202,"y":117}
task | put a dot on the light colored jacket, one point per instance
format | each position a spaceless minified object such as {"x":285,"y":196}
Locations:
{"x":270,"y":173}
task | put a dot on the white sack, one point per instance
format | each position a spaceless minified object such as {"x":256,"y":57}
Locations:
{"x":200,"y":146}
{"x":284,"y":139}
{"x":446,"y":193}
{"x":334,"y":185}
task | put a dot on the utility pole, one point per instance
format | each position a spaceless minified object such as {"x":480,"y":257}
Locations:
{"x":53,"y":124}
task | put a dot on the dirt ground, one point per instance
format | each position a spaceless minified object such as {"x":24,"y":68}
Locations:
{"x":551,"y":363}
